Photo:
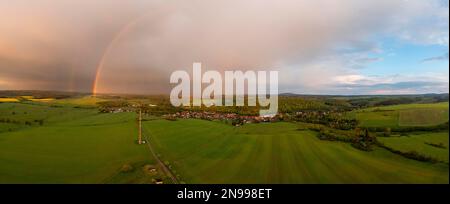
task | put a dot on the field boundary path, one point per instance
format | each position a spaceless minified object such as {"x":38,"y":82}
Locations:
{"x":161,"y":163}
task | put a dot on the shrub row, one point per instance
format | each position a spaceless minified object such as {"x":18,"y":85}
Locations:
{"x":434,"y":128}
{"x":410,"y":154}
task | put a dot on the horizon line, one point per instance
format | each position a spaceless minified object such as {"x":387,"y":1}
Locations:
{"x":162,"y":94}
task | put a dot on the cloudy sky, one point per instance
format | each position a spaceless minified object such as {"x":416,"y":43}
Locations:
{"x":318,"y":47}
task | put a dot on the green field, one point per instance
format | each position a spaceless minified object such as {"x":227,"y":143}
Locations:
{"x":418,"y":142}
{"x":74,"y":146}
{"x":213,"y":152}
{"x":79,"y":101}
{"x":402,"y":115}
{"x":30,"y":112}
{"x":69,"y":141}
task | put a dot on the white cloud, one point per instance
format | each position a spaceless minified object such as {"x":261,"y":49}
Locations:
{"x":421,"y":22}
{"x":390,"y":84}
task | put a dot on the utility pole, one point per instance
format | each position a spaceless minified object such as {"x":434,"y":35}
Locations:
{"x":140,"y":127}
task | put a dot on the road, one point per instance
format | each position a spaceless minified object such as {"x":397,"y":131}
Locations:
{"x":163,"y":166}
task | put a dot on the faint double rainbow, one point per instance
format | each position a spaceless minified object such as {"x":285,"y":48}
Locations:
{"x":110,"y":46}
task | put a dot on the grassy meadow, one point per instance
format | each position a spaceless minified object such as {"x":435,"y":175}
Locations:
{"x":214,"y":152}
{"x":67,"y":140}
{"x":72,"y":146}
{"x":423,"y":142}
{"x":402,"y":115}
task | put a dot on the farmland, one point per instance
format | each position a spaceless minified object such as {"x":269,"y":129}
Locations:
{"x":211,"y":152}
{"x":72,"y":146}
{"x":403,"y":115}
{"x":63,"y":138}
{"x":5,"y":100}
{"x":425,"y":143}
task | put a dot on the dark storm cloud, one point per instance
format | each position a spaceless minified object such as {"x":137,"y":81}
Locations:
{"x":56,"y":45}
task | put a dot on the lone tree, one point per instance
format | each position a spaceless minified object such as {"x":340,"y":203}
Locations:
{"x":387,"y":132}
{"x":364,"y":140}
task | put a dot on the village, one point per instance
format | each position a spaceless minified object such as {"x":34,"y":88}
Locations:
{"x":236,"y":119}
{"x":330,"y":118}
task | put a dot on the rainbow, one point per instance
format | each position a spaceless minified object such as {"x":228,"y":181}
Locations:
{"x":125,"y":29}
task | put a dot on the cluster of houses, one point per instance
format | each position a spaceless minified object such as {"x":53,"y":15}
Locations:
{"x":120,"y":108}
{"x":235,"y":118}
{"x":116,"y":109}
